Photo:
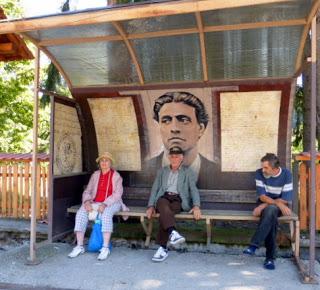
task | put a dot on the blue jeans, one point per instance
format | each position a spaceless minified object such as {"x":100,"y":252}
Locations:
{"x":267,"y":230}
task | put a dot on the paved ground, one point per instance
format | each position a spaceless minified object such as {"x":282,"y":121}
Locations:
{"x":132,"y":269}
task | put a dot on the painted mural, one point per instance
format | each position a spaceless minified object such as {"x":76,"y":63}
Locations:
{"x":67,"y":141}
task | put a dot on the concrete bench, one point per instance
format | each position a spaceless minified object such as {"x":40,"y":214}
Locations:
{"x":210,"y":216}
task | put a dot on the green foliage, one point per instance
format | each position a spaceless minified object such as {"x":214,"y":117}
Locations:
{"x":298,"y":118}
{"x":16,"y":100}
{"x":15,"y":104}
{"x":12,"y":8}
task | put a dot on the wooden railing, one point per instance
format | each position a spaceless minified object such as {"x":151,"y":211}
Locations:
{"x":16,"y":187}
{"x":303,"y":190}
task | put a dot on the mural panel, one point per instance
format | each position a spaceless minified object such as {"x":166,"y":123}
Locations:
{"x":117,"y":130}
{"x":249,"y":128}
{"x":67,"y":141}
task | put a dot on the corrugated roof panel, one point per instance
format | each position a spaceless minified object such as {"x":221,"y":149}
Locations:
{"x":93,"y":30}
{"x":96,"y":64}
{"x":160,"y":23}
{"x":258,"y":53}
{"x":169,"y":59}
{"x":297,"y":9}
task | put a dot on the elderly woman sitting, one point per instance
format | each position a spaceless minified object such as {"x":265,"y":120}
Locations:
{"x":105,"y":190}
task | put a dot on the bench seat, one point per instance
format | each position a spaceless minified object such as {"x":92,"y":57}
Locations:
{"x":210,"y":216}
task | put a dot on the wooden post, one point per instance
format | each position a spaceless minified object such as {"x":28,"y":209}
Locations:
{"x":34,"y":161}
{"x":318,"y":197}
{"x":303,"y":209}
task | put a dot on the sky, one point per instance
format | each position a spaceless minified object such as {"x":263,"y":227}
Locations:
{"x":45,"y":7}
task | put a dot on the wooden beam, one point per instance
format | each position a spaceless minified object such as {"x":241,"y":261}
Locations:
{"x":131,"y":50}
{"x":202,"y":47}
{"x":256,"y":25}
{"x":115,"y":14}
{"x":313,"y":11}
{"x":172,"y":32}
{"x":77,"y":40}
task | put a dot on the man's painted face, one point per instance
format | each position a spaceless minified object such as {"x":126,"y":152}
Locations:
{"x":267,"y":169}
{"x":179,"y":126}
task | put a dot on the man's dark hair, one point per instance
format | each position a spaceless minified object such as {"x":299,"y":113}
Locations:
{"x":185,"y":98}
{"x":272,"y":159}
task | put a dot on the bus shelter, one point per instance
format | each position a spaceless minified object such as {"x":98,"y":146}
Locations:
{"x":240,"y":58}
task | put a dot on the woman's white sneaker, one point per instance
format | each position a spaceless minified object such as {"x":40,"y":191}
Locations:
{"x":104,"y":253}
{"x":76,"y":251}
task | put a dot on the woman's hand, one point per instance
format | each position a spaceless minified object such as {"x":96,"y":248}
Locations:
{"x":88,"y":206}
{"x":102,"y":207}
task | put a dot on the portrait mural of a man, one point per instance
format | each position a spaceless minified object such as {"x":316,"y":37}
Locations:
{"x":182,"y":120}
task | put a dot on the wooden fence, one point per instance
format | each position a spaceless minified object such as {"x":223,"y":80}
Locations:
{"x":16,"y":187}
{"x":304,"y":185}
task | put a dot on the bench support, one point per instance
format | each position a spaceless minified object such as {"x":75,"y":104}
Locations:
{"x":209,"y":231}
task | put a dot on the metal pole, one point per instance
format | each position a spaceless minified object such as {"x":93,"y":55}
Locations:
{"x":312,"y":191}
{"x":34,"y":160}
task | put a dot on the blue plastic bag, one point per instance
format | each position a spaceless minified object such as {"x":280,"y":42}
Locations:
{"x":96,"y":238}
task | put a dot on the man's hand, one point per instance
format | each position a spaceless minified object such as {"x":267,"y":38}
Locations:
{"x":150,"y":212}
{"x":284,"y":209}
{"x":102,"y":207}
{"x":258,"y":210}
{"x":196,"y":212}
{"x":88,"y":206}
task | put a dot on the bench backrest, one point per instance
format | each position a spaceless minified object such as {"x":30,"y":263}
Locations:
{"x":210,"y":199}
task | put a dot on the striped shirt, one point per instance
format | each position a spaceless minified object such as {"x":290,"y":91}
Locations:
{"x":279,"y":186}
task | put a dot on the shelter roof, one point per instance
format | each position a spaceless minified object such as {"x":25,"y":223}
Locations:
{"x":12,"y":46}
{"x":163,"y":42}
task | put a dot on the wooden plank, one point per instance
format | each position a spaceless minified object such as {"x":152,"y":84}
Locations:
{"x":4,"y":191}
{"x":44,"y":179}
{"x":318,"y":197}
{"x":126,"y":13}
{"x":224,"y":196}
{"x":15,"y":191}
{"x":38,"y":193}
{"x":26,"y":195}
{"x":202,"y":47}
{"x":303,"y":209}
{"x":9,"y":204}
{"x":20,"y":196}
{"x":206,"y":214}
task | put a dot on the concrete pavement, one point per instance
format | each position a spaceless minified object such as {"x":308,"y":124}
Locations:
{"x":133,"y":269}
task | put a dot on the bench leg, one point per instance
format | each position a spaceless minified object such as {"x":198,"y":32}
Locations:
{"x":292,"y":236}
{"x":147,"y":229}
{"x":297,"y":239}
{"x":208,"y":224}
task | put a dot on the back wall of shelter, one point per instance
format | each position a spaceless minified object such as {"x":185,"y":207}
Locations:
{"x":245,"y":122}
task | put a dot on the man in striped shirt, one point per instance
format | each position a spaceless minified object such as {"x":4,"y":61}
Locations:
{"x":274,"y":190}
